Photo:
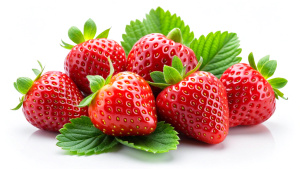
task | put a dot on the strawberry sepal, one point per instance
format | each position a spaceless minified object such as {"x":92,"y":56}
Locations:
{"x":267,"y":68}
{"x":96,"y":84}
{"x":24,"y":84}
{"x":89,"y":32}
{"x":175,"y":35}
{"x":172,"y":74}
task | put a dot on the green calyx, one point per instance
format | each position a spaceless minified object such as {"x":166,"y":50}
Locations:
{"x":23,"y":84}
{"x":267,"y":68}
{"x":89,"y":32}
{"x":172,"y":74}
{"x":96,"y":83}
{"x":175,"y":35}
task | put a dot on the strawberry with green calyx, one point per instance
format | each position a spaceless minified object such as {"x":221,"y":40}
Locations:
{"x":89,"y":56}
{"x":194,"y":103}
{"x":121,"y":105}
{"x":155,"y":50}
{"x":49,"y":101}
{"x":251,"y":96}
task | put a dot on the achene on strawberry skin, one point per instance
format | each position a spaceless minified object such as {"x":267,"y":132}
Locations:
{"x":50,"y":101}
{"x":89,"y":56}
{"x":251,"y":96}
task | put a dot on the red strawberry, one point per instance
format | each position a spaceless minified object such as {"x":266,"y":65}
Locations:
{"x":50,"y":101}
{"x":155,"y":50}
{"x":195,"y":104}
{"x":89,"y":57}
{"x":251,"y":97}
{"x":122,"y":106}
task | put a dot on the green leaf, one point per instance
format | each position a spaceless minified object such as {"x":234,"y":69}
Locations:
{"x":76,"y":35}
{"x":278,"y":82}
{"x":171,"y":75}
{"x":66,"y":45}
{"x":279,"y":93}
{"x":90,"y":29}
{"x":262,"y":61}
{"x":157,"y":21}
{"x":177,"y":64}
{"x":103,"y":34}
{"x":81,"y":137}
{"x":24,"y":84}
{"x":159,"y":85}
{"x":162,"y":140}
{"x":195,"y":69}
{"x":36,"y":71}
{"x":111,"y":71}
{"x":252,"y":61}
{"x":219,"y":51}
{"x":87,"y":101}
{"x":158,"y":77}
{"x":96,"y":82}
{"x":268,"y":69}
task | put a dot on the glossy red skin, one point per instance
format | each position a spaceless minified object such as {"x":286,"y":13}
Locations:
{"x":52,"y":101}
{"x":251,"y":98}
{"x":124,"y":107}
{"x":197,"y":107}
{"x":90,"y":58}
{"x":153,"y":51}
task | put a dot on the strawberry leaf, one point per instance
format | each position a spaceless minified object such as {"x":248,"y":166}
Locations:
{"x":157,"y":21}
{"x":219,"y":51}
{"x":163,"y":139}
{"x":81,"y":137}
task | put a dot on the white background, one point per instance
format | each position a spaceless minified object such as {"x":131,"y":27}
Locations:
{"x":32,"y":30}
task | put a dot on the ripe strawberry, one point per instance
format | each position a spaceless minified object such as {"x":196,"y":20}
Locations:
{"x":251,"y":97}
{"x":89,"y":56}
{"x":121,"y":106}
{"x":50,"y":101}
{"x":155,"y":50}
{"x":195,"y":104}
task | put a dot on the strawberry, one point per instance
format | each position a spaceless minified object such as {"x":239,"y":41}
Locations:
{"x":153,"y":51}
{"x":194,"y":103}
{"x":50,"y":101}
{"x":122,"y":105}
{"x":251,"y":97}
{"x":89,"y":56}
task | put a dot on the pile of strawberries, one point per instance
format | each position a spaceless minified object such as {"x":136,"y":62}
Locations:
{"x":114,"y":91}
